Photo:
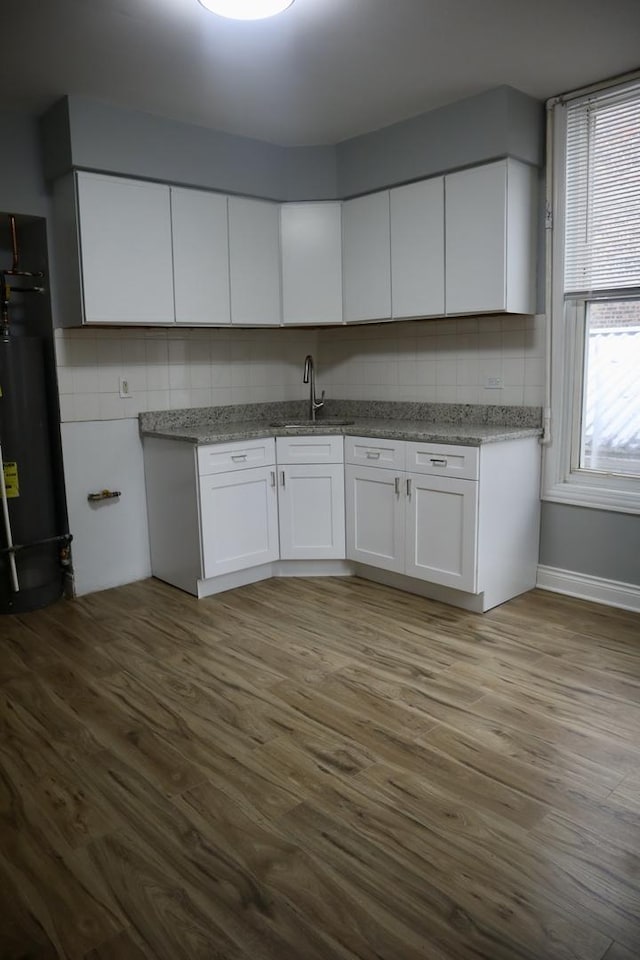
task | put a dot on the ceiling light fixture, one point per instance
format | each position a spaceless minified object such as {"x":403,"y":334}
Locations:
{"x":246,"y":9}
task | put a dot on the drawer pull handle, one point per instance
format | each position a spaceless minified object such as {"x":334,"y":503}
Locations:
{"x":273,"y":478}
{"x":397,"y":486}
{"x":282,"y":480}
{"x":373,"y":454}
{"x":238,"y":456}
{"x":409,"y":487}
{"x":439,"y":461}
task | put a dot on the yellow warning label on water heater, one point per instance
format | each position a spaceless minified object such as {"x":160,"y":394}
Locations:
{"x":11,"y":482}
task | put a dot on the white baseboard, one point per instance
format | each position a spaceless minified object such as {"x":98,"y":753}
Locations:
{"x":613,"y":593}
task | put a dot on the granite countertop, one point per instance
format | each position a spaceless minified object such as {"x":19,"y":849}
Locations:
{"x":463,"y":424}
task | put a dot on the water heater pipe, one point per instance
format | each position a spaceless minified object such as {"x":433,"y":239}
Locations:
{"x":7,"y":527}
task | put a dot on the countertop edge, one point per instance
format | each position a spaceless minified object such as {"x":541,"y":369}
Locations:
{"x":498,"y":433}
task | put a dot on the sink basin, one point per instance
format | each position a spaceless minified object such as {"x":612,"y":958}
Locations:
{"x":312,"y":424}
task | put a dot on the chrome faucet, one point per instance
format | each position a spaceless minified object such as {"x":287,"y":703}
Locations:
{"x":310,"y":378}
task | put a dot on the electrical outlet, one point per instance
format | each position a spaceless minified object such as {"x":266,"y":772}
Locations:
{"x":123,"y":384}
{"x":494,"y":383}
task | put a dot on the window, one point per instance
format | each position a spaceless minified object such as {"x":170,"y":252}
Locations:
{"x":594,"y":456}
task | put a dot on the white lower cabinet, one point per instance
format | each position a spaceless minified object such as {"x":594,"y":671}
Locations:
{"x":441,"y":530}
{"x":422,"y":526}
{"x":221,"y":509}
{"x":311,"y":498}
{"x":461,"y":518}
{"x":375,"y":517}
{"x":457,"y":523}
{"x":239,"y":520}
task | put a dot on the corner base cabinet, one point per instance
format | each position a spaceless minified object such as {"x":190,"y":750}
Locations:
{"x":212,"y":510}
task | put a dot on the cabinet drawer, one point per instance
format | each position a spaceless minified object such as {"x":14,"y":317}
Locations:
{"x":443,"y":459}
{"x":312,"y":449}
{"x":375,"y":453}
{"x":220,"y":457}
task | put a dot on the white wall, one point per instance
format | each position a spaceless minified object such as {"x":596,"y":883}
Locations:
{"x":444,"y":361}
{"x":166,"y":369}
{"x":110,"y":539}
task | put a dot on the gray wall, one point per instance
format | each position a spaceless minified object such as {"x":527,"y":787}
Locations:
{"x":97,"y":136}
{"x":589,"y":541}
{"x":22,"y":184}
{"x":499,"y":123}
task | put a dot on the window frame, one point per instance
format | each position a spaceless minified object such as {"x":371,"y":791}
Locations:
{"x":563,"y":480}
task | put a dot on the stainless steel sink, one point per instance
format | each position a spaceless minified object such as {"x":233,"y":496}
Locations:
{"x":312,"y":424}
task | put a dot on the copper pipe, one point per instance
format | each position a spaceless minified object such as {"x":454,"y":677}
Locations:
{"x":14,"y":242}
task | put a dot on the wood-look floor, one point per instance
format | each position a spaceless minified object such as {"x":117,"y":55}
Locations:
{"x":310,"y":770}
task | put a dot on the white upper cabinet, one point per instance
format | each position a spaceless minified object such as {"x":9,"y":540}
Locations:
{"x":254,"y":262}
{"x":417,"y":249}
{"x":125,"y":242}
{"x":490,"y":238}
{"x":311,"y":239}
{"x":200,"y":257}
{"x":366,"y":253}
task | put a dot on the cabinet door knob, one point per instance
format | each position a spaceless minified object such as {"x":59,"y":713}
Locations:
{"x":373,"y":454}
{"x":408,"y":486}
{"x":238,"y":456}
{"x":273,"y":478}
{"x":439,"y":461}
{"x":282,"y":478}
{"x":397,"y":485}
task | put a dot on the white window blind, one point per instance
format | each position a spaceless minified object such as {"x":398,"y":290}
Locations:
{"x":602,"y":226}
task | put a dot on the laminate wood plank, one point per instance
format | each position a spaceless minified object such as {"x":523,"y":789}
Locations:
{"x":32,"y":705}
{"x":394,"y":715}
{"x":125,"y":733}
{"x":553,"y":787}
{"x":50,"y":882}
{"x":361,"y":922}
{"x":22,"y":936}
{"x":171,"y":924}
{"x":486,"y":838}
{"x":207,"y":866}
{"x":319,"y":769}
{"x":515,"y":713}
{"x":170,"y":700}
{"x":617,"y":952}
{"x":628,"y":791}
{"x":122,"y":947}
{"x":613,"y":628}
{"x":454,"y":904}
{"x":592,"y":860}
{"x":568,"y":699}
{"x":536,"y":763}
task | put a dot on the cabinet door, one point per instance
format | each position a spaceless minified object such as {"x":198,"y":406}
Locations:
{"x":311,"y":238}
{"x":476,"y":249}
{"x":311,"y":504}
{"x":417,"y":249}
{"x":441,"y":530}
{"x":254,"y":262}
{"x":125,"y":244}
{"x":375,"y":517}
{"x":366,"y":252}
{"x":239,"y":520}
{"x":200,"y":257}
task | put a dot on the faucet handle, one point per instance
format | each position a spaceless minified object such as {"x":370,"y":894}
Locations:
{"x":318,"y":403}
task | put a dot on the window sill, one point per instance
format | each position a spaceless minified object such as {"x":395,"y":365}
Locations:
{"x":597,"y":493}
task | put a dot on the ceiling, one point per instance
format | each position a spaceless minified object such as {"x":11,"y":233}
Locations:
{"x":323,"y":71}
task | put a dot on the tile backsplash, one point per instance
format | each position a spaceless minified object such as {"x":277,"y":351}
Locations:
{"x":444,"y":361}
{"x":168,"y":369}
{"x":448,"y":360}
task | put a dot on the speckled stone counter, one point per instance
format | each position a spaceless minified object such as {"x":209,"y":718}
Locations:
{"x":464,"y":424}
